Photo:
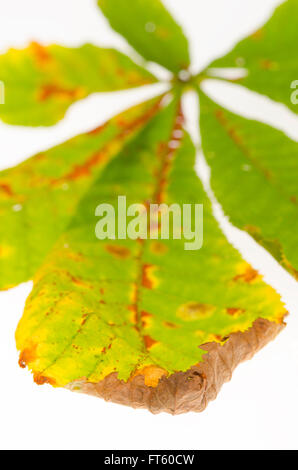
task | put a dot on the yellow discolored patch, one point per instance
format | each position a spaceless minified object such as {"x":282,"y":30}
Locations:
{"x":146,"y":319}
{"x":134,"y":77}
{"x":281,"y":317}
{"x":193,"y":311}
{"x":134,"y":313}
{"x":215,"y":339}
{"x":152,"y":375}
{"x":133,"y":295}
{"x":6,"y":251}
{"x":200,"y":333}
{"x":105,"y":371}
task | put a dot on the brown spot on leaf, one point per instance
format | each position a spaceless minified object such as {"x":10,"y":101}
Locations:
{"x":248,"y":276}
{"x":81,"y":171}
{"x":84,"y":319}
{"x":235,"y":312}
{"x":213,"y":338}
{"x":158,"y":248}
{"x":127,"y":127}
{"x":42,"y":380}
{"x":27,"y":356}
{"x":235,"y":136}
{"x":84,"y":170}
{"x":6,"y":189}
{"x":149,"y":342}
{"x":117,"y":251}
{"x":193,"y":311}
{"x":105,"y":349}
{"x":98,"y":130}
{"x":79,"y":282}
{"x":219,"y":114}
{"x":170,"y":325}
{"x":40,"y":53}
{"x":267,"y":64}
{"x":149,"y":281}
{"x":217,"y":338}
{"x":50,"y":91}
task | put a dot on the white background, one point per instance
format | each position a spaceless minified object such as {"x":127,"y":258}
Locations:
{"x":258,"y":409}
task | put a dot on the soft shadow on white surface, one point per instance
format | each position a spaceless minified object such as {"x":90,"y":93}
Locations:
{"x":258,"y":409}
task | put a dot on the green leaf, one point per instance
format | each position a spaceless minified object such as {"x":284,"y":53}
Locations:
{"x":42,"y":82}
{"x":254,"y":176}
{"x":142,"y":307}
{"x":39,"y":196}
{"x":150,"y":29}
{"x":269,"y":55}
